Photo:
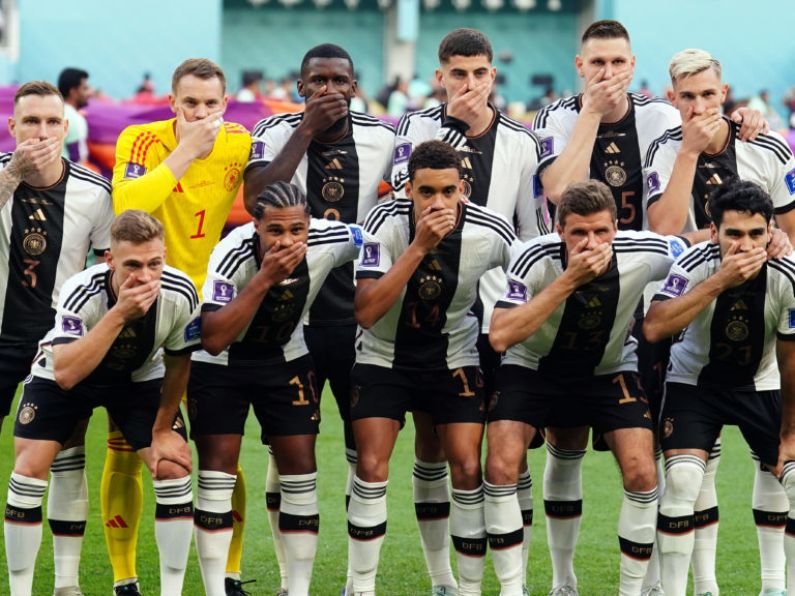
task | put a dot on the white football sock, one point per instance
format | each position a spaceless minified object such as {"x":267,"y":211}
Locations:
{"x":637,"y":524}
{"x":22,"y":530}
{"x":273,"y":499}
{"x":770,"y":507}
{"x":67,"y":510}
{"x":706,"y":522}
{"x":675,"y":524}
{"x":505,"y":532}
{"x":299,"y":523}
{"x":563,"y":509}
{"x":468,"y":531}
{"x":524,"y":491}
{"x":432,"y":508}
{"x":653,"y":570}
{"x":213,"y":527}
{"x":173,"y":530}
{"x":366,"y":530}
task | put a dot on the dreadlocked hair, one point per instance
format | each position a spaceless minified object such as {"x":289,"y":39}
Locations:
{"x":280,"y":195}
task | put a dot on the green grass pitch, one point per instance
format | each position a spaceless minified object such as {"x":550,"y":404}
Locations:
{"x":402,"y":568}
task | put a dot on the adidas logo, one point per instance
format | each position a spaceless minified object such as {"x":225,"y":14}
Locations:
{"x":739,"y":305}
{"x":466,"y":163}
{"x":127,"y":332}
{"x":612,"y":148}
{"x":594,"y":303}
{"x":434,"y":265}
{"x":334,"y":164}
{"x":116,"y":522}
{"x":37,"y":215}
{"x":714,"y":180}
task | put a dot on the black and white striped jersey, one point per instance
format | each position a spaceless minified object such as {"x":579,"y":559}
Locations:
{"x":275,"y":333}
{"x":172,"y":324}
{"x":431,"y":326}
{"x":499,"y":172}
{"x":619,"y":149}
{"x":732,"y":342}
{"x":341,"y":183}
{"x":589,"y":334}
{"x":767,"y":161}
{"x":45,"y":235}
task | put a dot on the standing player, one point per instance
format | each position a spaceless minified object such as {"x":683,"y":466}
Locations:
{"x":499,"y":157}
{"x":736,"y":308}
{"x":51,"y":212}
{"x":112,"y":323}
{"x":262,"y":280}
{"x":73,"y":85}
{"x":416,"y":285}
{"x":337,"y":158}
{"x":604,"y":134}
{"x":682,"y":170}
{"x":185,"y":171}
{"x":564,"y":320}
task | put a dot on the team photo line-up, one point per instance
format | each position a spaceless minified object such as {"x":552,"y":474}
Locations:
{"x":622,"y":269}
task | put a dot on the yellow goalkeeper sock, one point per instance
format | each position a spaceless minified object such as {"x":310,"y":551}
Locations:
{"x":121,"y":501}
{"x":238,"y":523}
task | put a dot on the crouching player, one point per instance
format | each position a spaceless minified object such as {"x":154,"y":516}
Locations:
{"x":416,"y":283}
{"x":111,"y":323}
{"x":732,"y":365}
{"x":262,"y":280}
{"x":570,"y":361}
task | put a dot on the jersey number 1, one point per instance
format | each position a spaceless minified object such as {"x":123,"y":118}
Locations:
{"x":200,"y":231}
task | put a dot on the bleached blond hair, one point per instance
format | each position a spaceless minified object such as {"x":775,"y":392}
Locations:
{"x":691,"y":62}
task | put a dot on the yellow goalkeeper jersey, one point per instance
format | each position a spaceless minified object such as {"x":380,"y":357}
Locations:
{"x":193,"y":209}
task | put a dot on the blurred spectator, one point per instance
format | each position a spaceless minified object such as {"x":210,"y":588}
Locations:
{"x":359,"y":102}
{"x":438,"y":96}
{"x":549,"y":97}
{"x":250,"y":90}
{"x":789,"y":102}
{"x":418,"y":91}
{"x":398,"y":99}
{"x":644,"y":89}
{"x":761,"y":102}
{"x":730,"y":104}
{"x":146,"y":86}
{"x":383,"y":94}
{"x":73,"y":85}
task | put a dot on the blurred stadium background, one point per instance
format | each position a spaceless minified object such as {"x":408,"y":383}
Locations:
{"x":130,"y":51}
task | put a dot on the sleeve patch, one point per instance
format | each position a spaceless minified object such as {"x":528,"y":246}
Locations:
{"x":547,"y":147}
{"x":134,"y":170}
{"x":676,"y":246}
{"x":790,"y":179}
{"x":517,"y":291}
{"x":257,"y":150}
{"x":653,"y":183}
{"x":193,"y":330}
{"x":402,"y":153}
{"x":74,"y":326}
{"x":372,"y":254}
{"x":356,"y":234}
{"x":222,"y":291}
{"x":675,"y":285}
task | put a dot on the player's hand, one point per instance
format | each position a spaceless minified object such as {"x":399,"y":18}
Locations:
{"x":280,"y":261}
{"x":786,"y":453}
{"x":135,"y":299}
{"x":433,"y":226}
{"x":199,"y":136}
{"x":585,"y":264}
{"x":752,"y":123}
{"x":779,"y":245}
{"x":323,"y":109}
{"x":468,"y":104}
{"x":168,"y":445}
{"x":603,"y":96}
{"x":698,"y":130}
{"x":32,"y":156}
{"x":738,"y":267}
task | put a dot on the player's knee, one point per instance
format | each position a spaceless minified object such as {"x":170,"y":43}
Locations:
{"x":465,"y":472}
{"x":640,"y":475}
{"x":501,"y":470}
{"x":168,"y":470}
{"x":683,"y":481}
{"x":371,"y":468}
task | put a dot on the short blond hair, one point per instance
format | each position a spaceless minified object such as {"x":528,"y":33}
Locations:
{"x":135,"y":226}
{"x":201,"y":68}
{"x":691,"y":62}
